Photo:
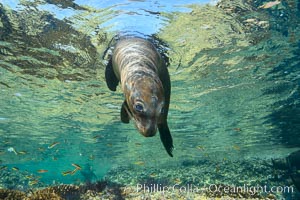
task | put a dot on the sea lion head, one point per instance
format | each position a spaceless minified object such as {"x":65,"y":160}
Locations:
{"x":146,"y":104}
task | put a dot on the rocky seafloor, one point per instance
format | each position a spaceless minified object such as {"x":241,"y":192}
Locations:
{"x":205,"y":179}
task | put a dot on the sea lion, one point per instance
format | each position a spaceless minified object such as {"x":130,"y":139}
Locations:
{"x":145,"y":82}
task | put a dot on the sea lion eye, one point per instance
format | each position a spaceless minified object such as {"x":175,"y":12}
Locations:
{"x":139,"y":107}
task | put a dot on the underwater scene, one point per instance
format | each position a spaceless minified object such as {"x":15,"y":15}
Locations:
{"x":233,"y":129}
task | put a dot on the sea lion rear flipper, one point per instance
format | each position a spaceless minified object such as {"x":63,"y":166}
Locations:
{"x":124,"y":113}
{"x":111,"y":79}
{"x":166,"y":138}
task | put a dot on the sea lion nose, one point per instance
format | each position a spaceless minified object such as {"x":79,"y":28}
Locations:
{"x":149,"y":131}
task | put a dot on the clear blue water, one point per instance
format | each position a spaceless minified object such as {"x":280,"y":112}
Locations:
{"x":235,"y":85}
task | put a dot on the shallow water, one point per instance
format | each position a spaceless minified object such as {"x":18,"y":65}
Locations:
{"x":234,"y":70}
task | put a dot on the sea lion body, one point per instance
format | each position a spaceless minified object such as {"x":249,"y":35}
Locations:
{"x":145,"y":82}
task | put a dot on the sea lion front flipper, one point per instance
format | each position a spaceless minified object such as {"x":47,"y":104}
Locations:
{"x":111,"y":79}
{"x":166,"y":138}
{"x":124,"y":113}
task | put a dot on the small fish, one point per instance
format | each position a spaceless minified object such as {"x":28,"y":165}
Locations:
{"x":65,"y":173}
{"x":91,"y":157}
{"x":109,"y":145}
{"x":3,"y":168}
{"x":236,"y":147}
{"x":177,"y":181}
{"x":33,"y":182}
{"x":140,"y":163}
{"x":22,"y":152}
{"x":42,"y":171}
{"x":69,"y":172}
{"x":138,"y":144}
{"x":74,"y":171}
{"x":200,"y":147}
{"x":53,"y":145}
{"x":217,"y":168}
{"x":79,"y":100}
{"x":15,"y":168}
{"x":76,"y":166}
{"x":153,"y":175}
{"x":237,"y":129}
{"x":41,"y":149}
{"x":270,"y":4}
{"x":250,"y":20}
{"x":97,"y":136}
{"x":29,"y":177}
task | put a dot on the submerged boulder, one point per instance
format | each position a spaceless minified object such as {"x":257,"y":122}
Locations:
{"x":292,"y":164}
